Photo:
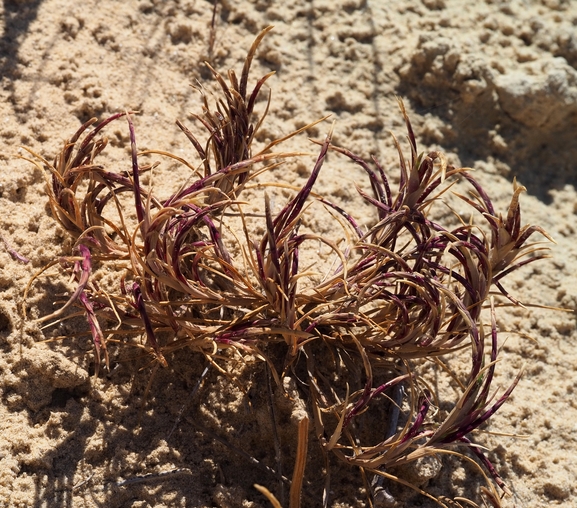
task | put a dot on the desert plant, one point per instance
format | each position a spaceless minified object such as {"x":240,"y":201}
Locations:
{"x":406,"y":291}
{"x":417,"y":289}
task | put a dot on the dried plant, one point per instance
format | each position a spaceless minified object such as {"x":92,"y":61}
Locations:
{"x":407,"y":291}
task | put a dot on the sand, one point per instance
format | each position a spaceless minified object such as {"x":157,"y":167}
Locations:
{"x":493,"y":85}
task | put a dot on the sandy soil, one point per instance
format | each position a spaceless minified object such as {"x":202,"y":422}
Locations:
{"x":494,"y":86}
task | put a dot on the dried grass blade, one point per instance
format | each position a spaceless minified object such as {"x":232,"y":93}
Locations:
{"x":268,"y":494}
{"x":300,"y":463}
{"x":84,"y":265}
